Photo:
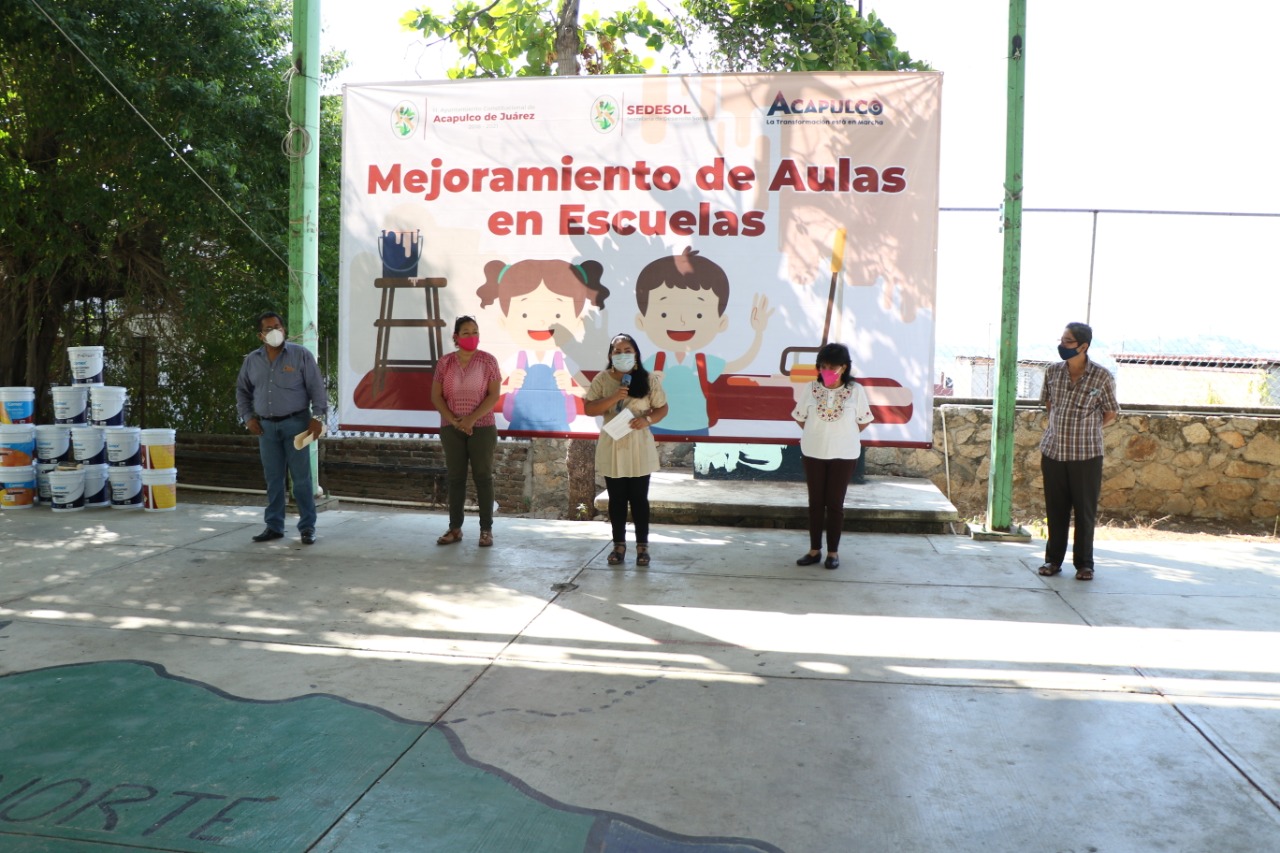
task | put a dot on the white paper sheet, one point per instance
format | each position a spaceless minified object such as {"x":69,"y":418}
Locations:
{"x":620,"y":425}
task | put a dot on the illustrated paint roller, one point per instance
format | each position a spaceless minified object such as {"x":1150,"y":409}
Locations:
{"x":807,"y":371}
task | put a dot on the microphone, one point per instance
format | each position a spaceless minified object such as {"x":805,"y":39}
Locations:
{"x":626,"y":383}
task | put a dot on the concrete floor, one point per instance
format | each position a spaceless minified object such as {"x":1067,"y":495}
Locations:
{"x":167,"y":684}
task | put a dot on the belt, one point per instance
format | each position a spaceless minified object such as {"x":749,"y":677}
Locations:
{"x":281,"y":417}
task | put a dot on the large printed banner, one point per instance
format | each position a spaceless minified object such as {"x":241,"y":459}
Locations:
{"x":732,"y":224}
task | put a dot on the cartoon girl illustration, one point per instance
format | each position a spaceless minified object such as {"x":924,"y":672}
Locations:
{"x":540,"y":299}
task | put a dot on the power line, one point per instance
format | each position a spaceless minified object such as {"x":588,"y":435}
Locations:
{"x":159,"y":135}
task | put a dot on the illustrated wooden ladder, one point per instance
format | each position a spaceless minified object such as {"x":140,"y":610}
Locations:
{"x":386,"y":322}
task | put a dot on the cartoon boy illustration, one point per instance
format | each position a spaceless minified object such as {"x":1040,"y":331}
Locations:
{"x":540,"y":299}
{"x":682,"y":300}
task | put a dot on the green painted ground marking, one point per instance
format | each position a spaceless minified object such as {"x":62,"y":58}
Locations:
{"x":123,"y":756}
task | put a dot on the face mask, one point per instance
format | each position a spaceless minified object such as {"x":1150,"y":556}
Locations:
{"x":1066,"y":354}
{"x":274,"y":338}
{"x":623,"y":362}
{"x":830,"y":377}
{"x":469,"y":343}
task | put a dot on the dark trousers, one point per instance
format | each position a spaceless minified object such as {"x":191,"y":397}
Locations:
{"x":476,"y":450}
{"x":1071,"y":487}
{"x":635,"y":492}
{"x":828,"y":481}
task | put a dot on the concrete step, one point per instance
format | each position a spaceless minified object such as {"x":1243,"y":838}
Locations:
{"x":882,"y":505}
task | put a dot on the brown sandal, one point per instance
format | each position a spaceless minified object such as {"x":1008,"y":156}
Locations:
{"x":1084,"y":574}
{"x":1048,"y":570}
{"x":486,"y":538}
{"x":454,"y":535}
{"x":642,"y":555}
{"x":618,"y":554}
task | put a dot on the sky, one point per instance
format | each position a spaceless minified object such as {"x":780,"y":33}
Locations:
{"x":1130,"y":105}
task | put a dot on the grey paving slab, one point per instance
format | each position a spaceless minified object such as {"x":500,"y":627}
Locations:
{"x":416,"y":687}
{"x":304,"y":597}
{"x":813,"y":765}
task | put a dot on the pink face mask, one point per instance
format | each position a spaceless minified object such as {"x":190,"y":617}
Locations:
{"x":469,"y":343}
{"x":830,"y":377}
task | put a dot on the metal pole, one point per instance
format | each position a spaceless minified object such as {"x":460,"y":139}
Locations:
{"x":1005,"y":399}
{"x":304,"y":182}
{"x":1093,"y":254}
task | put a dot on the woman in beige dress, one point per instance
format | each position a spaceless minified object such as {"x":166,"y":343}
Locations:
{"x":626,"y":390}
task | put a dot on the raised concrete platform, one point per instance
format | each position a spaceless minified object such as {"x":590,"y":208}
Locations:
{"x":883,"y":504}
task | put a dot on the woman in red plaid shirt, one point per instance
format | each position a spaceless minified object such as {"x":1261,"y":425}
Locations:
{"x":1080,"y":398}
{"x":464,"y":390}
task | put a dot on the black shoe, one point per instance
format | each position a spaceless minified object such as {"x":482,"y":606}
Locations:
{"x":808,"y":559}
{"x":833,"y":562}
{"x":267,"y":535}
{"x":308,"y":537}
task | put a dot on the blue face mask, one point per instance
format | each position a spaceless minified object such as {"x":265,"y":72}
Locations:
{"x":1067,"y":354}
{"x":623,"y":362}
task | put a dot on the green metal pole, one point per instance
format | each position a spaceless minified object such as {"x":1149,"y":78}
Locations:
{"x":304,"y":183}
{"x":1004,"y":401}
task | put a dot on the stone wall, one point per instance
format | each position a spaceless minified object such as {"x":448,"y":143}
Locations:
{"x":1218,"y":465}
{"x":1221,"y":465}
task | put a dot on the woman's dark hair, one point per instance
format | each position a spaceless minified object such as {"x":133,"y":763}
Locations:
{"x":639,"y":376}
{"x":465,"y":318}
{"x":837,"y":355}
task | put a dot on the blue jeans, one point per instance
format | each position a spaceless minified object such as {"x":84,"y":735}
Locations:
{"x":275,"y":447}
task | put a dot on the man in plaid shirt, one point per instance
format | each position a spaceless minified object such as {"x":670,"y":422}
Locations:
{"x":1080,"y":398}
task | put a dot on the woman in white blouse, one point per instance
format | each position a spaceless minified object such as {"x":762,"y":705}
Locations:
{"x":833,"y":410}
{"x":627,"y":459}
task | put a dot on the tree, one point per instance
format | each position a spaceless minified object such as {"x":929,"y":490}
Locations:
{"x":108,"y":230}
{"x":519,"y":38}
{"x":791,"y":35}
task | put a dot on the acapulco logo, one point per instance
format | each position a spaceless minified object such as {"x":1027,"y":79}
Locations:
{"x":404,"y":119}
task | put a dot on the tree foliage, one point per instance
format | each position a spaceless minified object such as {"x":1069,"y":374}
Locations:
{"x":792,"y":35}
{"x":105,"y":234}
{"x":517,"y":38}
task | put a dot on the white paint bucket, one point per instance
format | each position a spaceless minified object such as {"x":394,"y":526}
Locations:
{"x":106,"y":404}
{"x":158,"y":448}
{"x":53,"y":443}
{"x":88,"y":445}
{"x":70,"y":404}
{"x":86,"y":365}
{"x":66,"y":486}
{"x":17,"y":405}
{"x":159,"y":489}
{"x":124,"y":445}
{"x":45,"y":494}
{"x":17,"y":487}
{"x":126,"y":487}
{"x":17,"y":445}
{"x":96,"y":490}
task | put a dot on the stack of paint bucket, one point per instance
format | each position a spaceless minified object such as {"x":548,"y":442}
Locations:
{"x":17,"y":448}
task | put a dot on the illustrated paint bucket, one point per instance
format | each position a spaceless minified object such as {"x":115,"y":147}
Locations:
{"x":44,"y":494}
{"x":97,"y":492}
{"x":126,"y":487}
{"x":158,"y":448}
{"x":70,"y":404}
{"x":17,"y":445}
{"x":17,"y":405}
{"x":17,"y":487}
{"x":53,"y":443}
{"x":86,"y":365}
{"x":88,"y":445}
{"x":106,"y":405}
{"x":66,"y":487}
{"x":400,"y":251}
{"x":159,"y":489}
{"x":124,"y":445}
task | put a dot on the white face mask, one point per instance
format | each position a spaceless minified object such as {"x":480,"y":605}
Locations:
{"x":274,"y":338}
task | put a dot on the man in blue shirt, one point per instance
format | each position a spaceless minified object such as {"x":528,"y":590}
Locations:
{"x":279,"y":394}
